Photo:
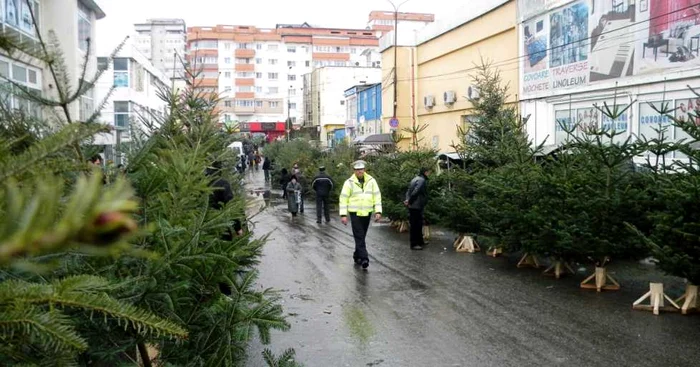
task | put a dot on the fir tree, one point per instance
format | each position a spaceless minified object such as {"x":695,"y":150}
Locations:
{"x":54,"y":207}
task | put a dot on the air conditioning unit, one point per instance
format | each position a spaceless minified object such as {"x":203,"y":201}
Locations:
{"x":449,"y":97}
{"x":473,"y":92}
{"x":429,"y":102}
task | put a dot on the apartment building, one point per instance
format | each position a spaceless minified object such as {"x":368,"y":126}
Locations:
{"x":73,"y":24}
{"x":633,"y":54}
{"x":259,"y":72}
{"x":135,"y":100}
{"x":163,"y":41}
{"x":435,"y":67}
{"x":383,"y":22}
{"x":363,"y":104}
{"x":327,"y":84}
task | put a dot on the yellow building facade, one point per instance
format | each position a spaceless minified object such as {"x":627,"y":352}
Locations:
{"x":435,"y":71}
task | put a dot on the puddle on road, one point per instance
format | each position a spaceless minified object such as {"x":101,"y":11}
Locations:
{"x":360,"y":327}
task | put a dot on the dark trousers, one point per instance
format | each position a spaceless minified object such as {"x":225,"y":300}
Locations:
{"x":322,"y":205}
{"x":415,"y":221}
{"x":267,"y":175}
{"x":359,"y":232}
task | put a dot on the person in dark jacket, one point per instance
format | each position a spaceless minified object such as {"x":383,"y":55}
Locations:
{"x":266,"y":166}
{"x":221,"y":195}
{"x":323,"y":185}
{"x":416,"y":200}
{"x":285,"y":177}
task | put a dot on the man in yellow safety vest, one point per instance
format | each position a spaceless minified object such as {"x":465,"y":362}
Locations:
{"x":360,"y":198}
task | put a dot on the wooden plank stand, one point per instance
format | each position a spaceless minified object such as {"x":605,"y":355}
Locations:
{"x":691,"y":299}
{"x":403,"y":226}
{"x":558,"y":268}
{"x":528,"y":260}
{"x":466,"y":243}
{"x":426,"y":232}
{"x":601,"y":278}
{"x":494,"y":251}
{"x":656,"y":297}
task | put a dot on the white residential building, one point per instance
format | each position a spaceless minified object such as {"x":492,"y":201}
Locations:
{"x":73,"y":24}
{"x":163,"y":42}
{"x":383,"y":21}
{"x":327,"y":97}
{"x":259,"y":73}
{"x":135,"y":99}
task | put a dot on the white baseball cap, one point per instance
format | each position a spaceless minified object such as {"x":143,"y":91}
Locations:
{"x":358,"y":165}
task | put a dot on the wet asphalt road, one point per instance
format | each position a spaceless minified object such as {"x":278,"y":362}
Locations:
{"x":440,"y":308}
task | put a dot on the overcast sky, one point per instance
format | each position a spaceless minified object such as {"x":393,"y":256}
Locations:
{"x":122,"y":14}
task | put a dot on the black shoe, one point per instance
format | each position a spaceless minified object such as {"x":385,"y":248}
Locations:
{"x":328,"y":220}
{"x":365,"y":264}
{"x":417,"y":248}
{"x":357,"y":261}
{"x":318,"y":221}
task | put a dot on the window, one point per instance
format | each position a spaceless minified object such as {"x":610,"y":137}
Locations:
{"x":291,"y":49}
{"x":291,"y":77}
{"x":258,"y":104}
{"x":227,"y":117}
{"x":293,"y":106}
{"x":274,"y":104}
{"x":308,"y":63}
{"x":272,"y":61}
{"x":272,"y":90}
{"x":121,"y":72}
{"x":244,"y":74}
{"x":258,"y":75}
{"x":244,"y":88}
{"x":87,"y":105}
{"x":292,"y":92}
{"x":84,"y":27}
{"x":244,"y":103}
{"x":227,"y":74}
{"x":291,"y":64}
{"x":258,"y":46}
{"x":227,"y":46}
{"x":342,"y":102}
{"x":258,"y":89}
{"x":243,"y":46}
{"x":227,"y":89}
{"x":227,"y":60}
{"x":242,"y":61}
{"x":19,"y":73}
{"x":353,"y":50}
{"x":121,"y":114}
{"x":272,"y":76}
{"x":272,"y":47}
{"x":258,"y":61}
{"x":227,"y":103}
{"x":17,"y":15}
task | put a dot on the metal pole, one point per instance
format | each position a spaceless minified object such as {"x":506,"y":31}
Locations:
{"x":396,"y":51}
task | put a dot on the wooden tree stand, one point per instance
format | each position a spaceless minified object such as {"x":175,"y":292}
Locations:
{"x":691,"y":299}
{"x":426,"y":232}
{"x":466,"y":243}
{"x":558,"y":268}
{"x":656,"y":301}
{"x":494,"y":251}
{"x":601,"y":277}
{"x":528,"y":260}
{"x":402,"y":226}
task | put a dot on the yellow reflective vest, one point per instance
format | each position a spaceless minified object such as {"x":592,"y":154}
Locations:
{"x":360,"y":199}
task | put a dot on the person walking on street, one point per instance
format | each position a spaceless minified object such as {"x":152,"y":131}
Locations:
{"x":359,"y":198}
{"x":293,"y":195}
{"x":267,"y":166}
{"x":416,"y":200}
{"x":285,"y":177}
{"x":323,"y":185}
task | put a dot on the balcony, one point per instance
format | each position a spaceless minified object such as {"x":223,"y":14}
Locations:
{"x":244,"y":110}
{"x":208,"y":82}
{"x":244,"y":53}
{"x":245,"y":67}
{"x":245,"y":95}
{"x":245,"y":81}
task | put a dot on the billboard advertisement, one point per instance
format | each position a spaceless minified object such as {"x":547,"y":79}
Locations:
{"x":589,"y":41}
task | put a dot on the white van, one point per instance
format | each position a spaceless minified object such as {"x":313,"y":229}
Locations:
{"x":237,"y":147}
